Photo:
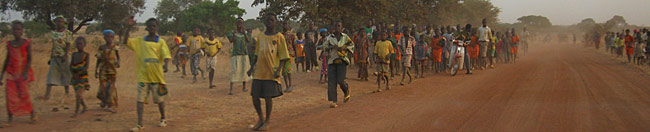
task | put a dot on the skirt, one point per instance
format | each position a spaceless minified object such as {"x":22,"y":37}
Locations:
{"x":59,"y":73}
{"x":239,"y":65}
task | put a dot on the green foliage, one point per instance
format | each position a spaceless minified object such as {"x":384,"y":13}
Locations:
{"x":4,"y":29}
{"x":357,"y":13}
{"x":254,"y":24}
{"x":219,"y":15}
{"x":535,"y":22}
{"x":78,"y":12}
{"x":35,"y":29}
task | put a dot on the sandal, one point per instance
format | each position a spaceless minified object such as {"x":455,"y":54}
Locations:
{"x":163,"y":123}
{"x":346,"y":99}
{"x":137,"y":128}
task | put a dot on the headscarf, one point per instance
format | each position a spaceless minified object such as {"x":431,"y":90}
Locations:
{"x":59,"y":16}
{"x":323,"y":30}
{"x":108,"y":31}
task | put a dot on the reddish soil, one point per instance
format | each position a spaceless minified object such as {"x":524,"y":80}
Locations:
{"x":554,"y":87}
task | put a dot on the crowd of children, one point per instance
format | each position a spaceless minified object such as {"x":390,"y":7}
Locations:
{"x":635,"y":45}
{"x":393,"y":50}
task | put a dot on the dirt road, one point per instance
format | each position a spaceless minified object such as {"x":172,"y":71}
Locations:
{"x":552,"y":88}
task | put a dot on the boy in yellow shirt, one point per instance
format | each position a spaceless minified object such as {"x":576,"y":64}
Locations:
{"x":212,"y":47}
{"x":150,"y":52}
{"x":195,"y":44}
{"x":383,"y":50}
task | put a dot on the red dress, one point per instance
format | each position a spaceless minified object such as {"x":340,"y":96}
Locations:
{"x":436,"y":50}
{"x":18,"y":102}
{"x":472,"y":49}
{"x":629,"y":46}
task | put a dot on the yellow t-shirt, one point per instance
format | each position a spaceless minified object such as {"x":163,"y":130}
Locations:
{"x":211,"y":47}
{"x":383,"y":49}
{"x":149,"y":59}
{"x":196,"y":42}
{"x":270,"y":49}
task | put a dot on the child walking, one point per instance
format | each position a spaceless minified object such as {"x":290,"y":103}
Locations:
{"x":270,"y":56}
{"x":108,"y":60}
{"x":323,"y":56}
{"x":18,"y":67}
{"x":79,"y":68}
{"x":212,"y":47}
{"x":382,"y":52}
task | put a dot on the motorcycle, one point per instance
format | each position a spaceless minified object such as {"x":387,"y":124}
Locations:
{"x":456,"y":56}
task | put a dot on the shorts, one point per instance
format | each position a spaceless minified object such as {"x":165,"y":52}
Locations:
{"x":157,"y":90}
{"x":211,"y":62}
{"x":265,"y":89}
{"x":482,"y":49}
{"x":407,"y":60}
{"x":287,"y":67}
{"x":383,"y":68}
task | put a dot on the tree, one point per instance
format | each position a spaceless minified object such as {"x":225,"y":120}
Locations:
{"x":586,"y":24}
{"x":78,"y":12}
{"x":535,"y":22}
{"x":356,"y":13}
{"x":217,"y":15}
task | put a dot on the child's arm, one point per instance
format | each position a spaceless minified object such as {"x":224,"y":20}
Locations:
{"x":87,"y":61}
{"x":253,"y":64}
{"x":4,"y":67}
{"x":117,"y":54}
{"x":279,"y":69}
{"x":29,"y":62}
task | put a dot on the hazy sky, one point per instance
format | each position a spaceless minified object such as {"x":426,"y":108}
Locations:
{"x":562,"y":12}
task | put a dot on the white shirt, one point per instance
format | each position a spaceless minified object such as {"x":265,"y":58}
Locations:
{"x":484,"y":33}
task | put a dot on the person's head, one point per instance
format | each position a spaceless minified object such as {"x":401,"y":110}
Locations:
{"x":211,"y":32}
{"x":513,"y":32}
{"x":383,"y":35}
{"x":484,"y":22}
{"x":323,"y":32}
{"x":311,"y":25}
{"x":269,"y":22}
{"x":179,"y":33}
{"x":240,"y":24}
{"x":80,"y":43}
{"x":299,"y":34}
{"x":59,"y":21}
{"x":406,"y":30}
{"x":468,"y":28}
{"x":370,"y":23}
{"x":152,"y":26}
{"x":627,"y":31}
{"x":17,"y":29}
{"x":473,"y":32}
{"x":338,"y":27}
{"x":196,"y":31}
{"x":436,"y":32}
{"x":421,"y":38}
{"x":109,"y":36}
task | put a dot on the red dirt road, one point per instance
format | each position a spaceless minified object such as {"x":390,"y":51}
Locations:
{"x":552,"y":88}
{"x":556,"y":87}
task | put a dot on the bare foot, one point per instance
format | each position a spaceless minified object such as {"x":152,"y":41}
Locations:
{"x":212,"y":86}
{"x":264,"y":126}
{"x":258,"y":125}
{"x":43,"y":98}
{"x":74,"y":116}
